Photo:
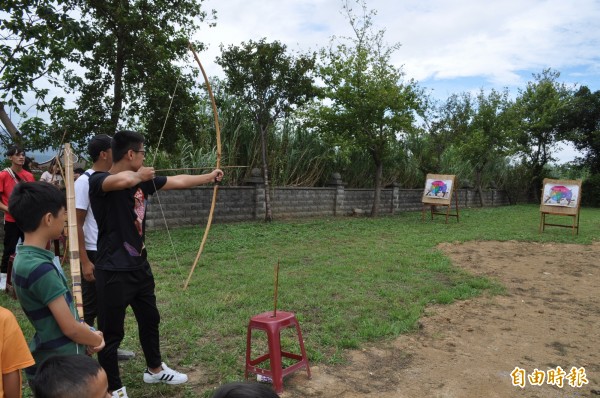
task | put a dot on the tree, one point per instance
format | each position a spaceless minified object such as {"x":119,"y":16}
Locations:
{"x":37,"y":41}
{"x":486,"y":138}
{"x":271,"y":83}
{"x":369,"y":104}
{"x":448,"y":121}
{"x":122,"y":56}
{"x":128,"y":54}
{"x":583,"y":122}
{"x":540,"y":111}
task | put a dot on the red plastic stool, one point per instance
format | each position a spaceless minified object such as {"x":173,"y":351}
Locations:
{"x":272,"y":325}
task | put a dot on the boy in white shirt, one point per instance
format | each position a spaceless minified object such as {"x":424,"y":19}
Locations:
{"x":87,"y":229}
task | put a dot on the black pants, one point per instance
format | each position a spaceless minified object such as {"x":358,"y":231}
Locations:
{"x":115,"y":292}
{"x":12,"y":233}
{"x":88,"y":292}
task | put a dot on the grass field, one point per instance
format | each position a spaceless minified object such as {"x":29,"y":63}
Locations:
{"x":349,"y":281}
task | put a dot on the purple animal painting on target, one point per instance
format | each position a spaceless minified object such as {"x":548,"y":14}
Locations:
{"x":560,"y":195}
{"x":436,"y":188}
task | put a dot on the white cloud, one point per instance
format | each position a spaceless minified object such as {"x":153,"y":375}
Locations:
{"x":449,"y":46}
{"x":496,"y":41}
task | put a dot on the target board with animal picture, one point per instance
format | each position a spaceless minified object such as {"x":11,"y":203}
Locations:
{"x":439,"y":190}
{"x":561,"y":198}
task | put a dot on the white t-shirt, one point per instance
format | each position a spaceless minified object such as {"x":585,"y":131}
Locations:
{"x":82,"y":202}
{"x":55,"y":179}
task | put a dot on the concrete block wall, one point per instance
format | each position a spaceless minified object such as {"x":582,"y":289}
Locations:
{"x":303,"y":202}
{"x":491,"y":197}
{"x":358,"y":199}
{"x":410,"y":200}
{"x":246,"y":203}
{"x":192,"y":206}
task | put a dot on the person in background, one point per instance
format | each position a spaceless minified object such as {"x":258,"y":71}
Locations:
{"x":14,"y":355}
{"x":77,"y":173}
{"x":87,"y":229}
{"x":9,"y":177}
{"x":27,"y":164}
{"x":38,"y":279}
{"x":70,"y":376}
{"x":52,"y":175}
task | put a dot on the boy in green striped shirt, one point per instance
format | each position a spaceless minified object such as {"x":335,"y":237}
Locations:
{"x":39,"y":209}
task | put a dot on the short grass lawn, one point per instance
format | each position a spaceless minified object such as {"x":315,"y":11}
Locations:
{"x":348,"y":280}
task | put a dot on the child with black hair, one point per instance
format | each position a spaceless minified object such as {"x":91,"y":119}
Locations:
{"x":87,"y":229}
{"x":77,"y":173}
{"x":38,"y":279}
{"x":70,"y":376}
{"x":245,"y":390}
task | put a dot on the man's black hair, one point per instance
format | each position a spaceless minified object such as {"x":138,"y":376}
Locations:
{"x":125,"y":140}
{"x":31,"y":201}
{"x":14,"y":150}
{"x":245,"y":390}
{"x":65,"y":376}
{"x":99,"y":143}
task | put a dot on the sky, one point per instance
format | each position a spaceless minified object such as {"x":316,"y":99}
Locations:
{"x":447,"y":46}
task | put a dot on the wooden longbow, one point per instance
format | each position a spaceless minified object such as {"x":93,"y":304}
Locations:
{"x":216,"y":186}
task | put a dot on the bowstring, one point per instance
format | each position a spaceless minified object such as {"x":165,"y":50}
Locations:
{"x":166,"y":119}
{"x":162,"y":212}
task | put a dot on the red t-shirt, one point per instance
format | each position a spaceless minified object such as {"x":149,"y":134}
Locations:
{"x":7,"y":184}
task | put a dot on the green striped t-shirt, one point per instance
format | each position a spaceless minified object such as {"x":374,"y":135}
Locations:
{"x":38,"y":280}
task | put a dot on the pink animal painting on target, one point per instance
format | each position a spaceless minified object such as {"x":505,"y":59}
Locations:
{"x":560,"y":195}
{"x":440,"y":189}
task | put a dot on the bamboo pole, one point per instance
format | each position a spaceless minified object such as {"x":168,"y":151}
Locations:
{"x":73,"y":237}
{"x":276,"y":289}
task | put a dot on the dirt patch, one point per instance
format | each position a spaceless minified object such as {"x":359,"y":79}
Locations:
{"x":550,"y":317}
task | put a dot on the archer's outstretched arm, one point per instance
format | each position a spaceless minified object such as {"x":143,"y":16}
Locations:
{"x":183,"y":181}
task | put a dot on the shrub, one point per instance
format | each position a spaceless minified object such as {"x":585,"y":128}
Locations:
{"x":590,"y":190}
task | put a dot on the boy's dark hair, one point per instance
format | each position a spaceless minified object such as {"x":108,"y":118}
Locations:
{"x":79,"y":170}
{"x":30,"y":201}
{"x":245,"y":390}
{"x":65,"y":376}
{"x":14,"y":150}
{"x":125,"y":140}
{"x":99,"y":143}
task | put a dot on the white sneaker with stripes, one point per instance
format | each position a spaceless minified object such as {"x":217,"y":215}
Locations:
{"x":166,"y":375}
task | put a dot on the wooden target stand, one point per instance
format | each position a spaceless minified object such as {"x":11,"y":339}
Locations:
{"x":434,"y":196}
{"x":568,"y":206}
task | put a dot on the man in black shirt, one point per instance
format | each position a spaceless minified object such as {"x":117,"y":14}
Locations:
{"x":123,"y":275}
